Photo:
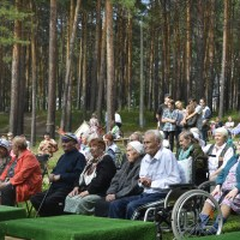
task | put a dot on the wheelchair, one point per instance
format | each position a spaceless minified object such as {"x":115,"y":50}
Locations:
{"x":179,"y":210}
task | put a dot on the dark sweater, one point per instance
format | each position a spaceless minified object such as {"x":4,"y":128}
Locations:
{"x":125,"y":181}
{"x":105,"y":170}
{"x":70,"y":165}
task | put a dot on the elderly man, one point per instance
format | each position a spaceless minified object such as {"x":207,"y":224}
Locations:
{"x":158,"y":170}
{"x":22,"y":177}
{"x":66,"y":172}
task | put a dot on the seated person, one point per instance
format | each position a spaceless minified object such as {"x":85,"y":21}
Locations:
{"x":47,"y":146}
{"x":84,"y":146}
{"x":189,"y":147}
{"x":22,"y":177}
{"x":218,"y":153}
{"x":158,"y":170}
{"x":93,"y":182}
{"x":4,"y":154}
{"x":67,"y":170}
{"x":226,"y":193}
{"x":136,"y":136}
{"x":229,"y":125}
{"x":125,"y":181}
{"x":235,"y":131}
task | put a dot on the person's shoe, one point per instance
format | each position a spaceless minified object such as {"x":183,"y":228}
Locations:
{"x":211,"y":231}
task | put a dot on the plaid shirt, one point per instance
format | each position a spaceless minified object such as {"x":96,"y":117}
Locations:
{"x":172,"y":114}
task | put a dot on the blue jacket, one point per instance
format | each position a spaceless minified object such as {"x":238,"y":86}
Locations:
{"x":223,"y":174}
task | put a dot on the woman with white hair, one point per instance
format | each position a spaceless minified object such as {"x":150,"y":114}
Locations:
{"x":125,"y":181}
{"x":218,"y":153}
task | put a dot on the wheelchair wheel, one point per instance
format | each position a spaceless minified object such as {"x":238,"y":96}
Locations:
{"x":185,"y":215}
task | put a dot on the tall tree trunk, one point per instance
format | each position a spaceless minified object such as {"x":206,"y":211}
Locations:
{"x":211,"y":52}
{"x":52,"y":68}
{"x":110,"y":62}
{"x":67,"y":96}
{"x":200,"y":49}
{"x":224,"y":52}
{"x":13,"y":120}
{"x":96,"y":58}
{"x":102,"y":72}
{"x":142,"y":89}
{"x":129,"y":59}
{"x":188,"y":51}
{"x":34,"y":77}
{"x":84,"y":64}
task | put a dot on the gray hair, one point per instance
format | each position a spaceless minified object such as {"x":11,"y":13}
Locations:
{"x":158,"y":136}
{"x":20,"y":142}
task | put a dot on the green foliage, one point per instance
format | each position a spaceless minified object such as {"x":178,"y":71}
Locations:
{"x":8,"y":14}
{"x":129,"y":4}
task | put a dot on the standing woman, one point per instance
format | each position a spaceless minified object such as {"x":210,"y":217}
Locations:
{"x":93,"y":182}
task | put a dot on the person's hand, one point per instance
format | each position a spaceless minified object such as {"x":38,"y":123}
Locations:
{"x":84,"y":194}
{"x":232,"y":194}
{"x":53,"y":178}
{"x":3,"y":185}
{"x":145,"y":181}
{"x":110,"y":197}
{"x":74,"y":192}
{"x":216,"y":190}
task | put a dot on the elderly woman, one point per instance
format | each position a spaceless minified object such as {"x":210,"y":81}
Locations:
{"x":189,"y":147}
{"x":226,"y":193}
{"x":125,"y":181}
{"x":93,"y":182}
{"x":22,"y":177}
{"x":219,"y":152}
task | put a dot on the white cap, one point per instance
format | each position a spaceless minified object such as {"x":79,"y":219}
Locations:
{"x":137,"y":146}
{"x":222,"y":130}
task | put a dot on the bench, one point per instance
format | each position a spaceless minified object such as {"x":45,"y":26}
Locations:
{"x":77,"y":227}
{"x":8,"y":213}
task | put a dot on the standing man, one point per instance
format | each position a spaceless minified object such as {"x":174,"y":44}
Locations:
{"x":68,"y":169}
{"x":169,"y":119}
{"x":160,"y":110}
{"x":118,"y":119}
{"x":159,"y":169}
{"x":206,"y":115}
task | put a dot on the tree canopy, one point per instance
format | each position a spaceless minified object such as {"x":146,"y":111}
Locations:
{"x":187,"y":48}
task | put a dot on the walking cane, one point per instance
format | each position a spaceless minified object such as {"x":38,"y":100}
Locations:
{"x":43,"y":200}
{"x":45,"y":195}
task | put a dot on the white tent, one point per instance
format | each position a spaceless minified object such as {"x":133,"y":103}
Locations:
{"x":84,"y":128}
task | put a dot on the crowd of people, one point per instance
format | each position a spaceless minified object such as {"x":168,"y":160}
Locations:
{"x":94,"y":176}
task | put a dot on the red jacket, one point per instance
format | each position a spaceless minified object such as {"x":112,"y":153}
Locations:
{"x":27,"y":176}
